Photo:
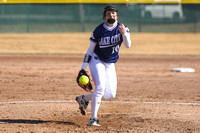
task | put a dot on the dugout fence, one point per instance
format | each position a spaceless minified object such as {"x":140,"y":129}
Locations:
{"x":84,"y":17}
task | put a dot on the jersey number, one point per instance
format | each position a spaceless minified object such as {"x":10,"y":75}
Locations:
{"x":115,"y":49}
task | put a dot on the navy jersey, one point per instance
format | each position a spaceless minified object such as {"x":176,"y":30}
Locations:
{"x":108,"y":41}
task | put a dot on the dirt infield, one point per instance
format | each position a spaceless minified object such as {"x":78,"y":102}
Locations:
{"x":37,"y":95}
{"x":38,"y":88}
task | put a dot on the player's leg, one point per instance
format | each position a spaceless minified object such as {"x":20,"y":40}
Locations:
{"x":97,"y":70}
{"x":111,"y":81}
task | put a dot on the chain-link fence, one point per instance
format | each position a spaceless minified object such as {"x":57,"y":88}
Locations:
{"x":30,"y":18}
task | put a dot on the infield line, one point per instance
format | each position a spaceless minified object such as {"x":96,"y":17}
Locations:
{"x":123,"y":102}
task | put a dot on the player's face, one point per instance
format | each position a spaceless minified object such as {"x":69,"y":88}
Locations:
{"x":111,"y":14}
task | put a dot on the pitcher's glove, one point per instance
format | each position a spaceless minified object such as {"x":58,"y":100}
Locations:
{"x":88,"y":86}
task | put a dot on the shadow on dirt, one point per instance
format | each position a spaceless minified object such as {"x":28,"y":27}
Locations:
{"x":23,"y":121}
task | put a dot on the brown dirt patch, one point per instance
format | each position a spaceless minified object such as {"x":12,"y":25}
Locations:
{"x":141,"y":79}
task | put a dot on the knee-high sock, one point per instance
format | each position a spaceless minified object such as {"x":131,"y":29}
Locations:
{"x":95,"y":104}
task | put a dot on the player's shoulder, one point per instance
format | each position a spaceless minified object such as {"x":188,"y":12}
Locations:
{"x":100,"y":26}
{"x":98,"y":29}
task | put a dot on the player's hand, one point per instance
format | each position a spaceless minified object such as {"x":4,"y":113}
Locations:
{"x":122,"y":29}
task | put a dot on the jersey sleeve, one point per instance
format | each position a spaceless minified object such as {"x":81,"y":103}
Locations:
{"x":127,"y":29}
{"x":95,"y":35}
{"x":126,"y":38}
{"x":93,"y":38}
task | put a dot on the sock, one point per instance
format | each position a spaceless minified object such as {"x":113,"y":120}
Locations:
{"x":95,"y":104}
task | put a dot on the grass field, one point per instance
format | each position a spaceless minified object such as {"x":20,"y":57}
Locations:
{"x":77,"y":43}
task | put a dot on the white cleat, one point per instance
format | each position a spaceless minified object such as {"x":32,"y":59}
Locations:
{"x":93,"y":122}
{"x":82,"y":104}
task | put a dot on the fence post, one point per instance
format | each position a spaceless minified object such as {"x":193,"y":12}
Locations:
{"x":81,"y":12}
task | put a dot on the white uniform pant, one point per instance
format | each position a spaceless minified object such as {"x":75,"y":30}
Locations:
{"x":104,"y":77}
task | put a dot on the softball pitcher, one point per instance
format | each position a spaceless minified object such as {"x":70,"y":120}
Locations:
{"x":101,"y":56}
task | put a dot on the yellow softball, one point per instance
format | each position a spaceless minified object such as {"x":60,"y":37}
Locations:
{"x":83,"y":80}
